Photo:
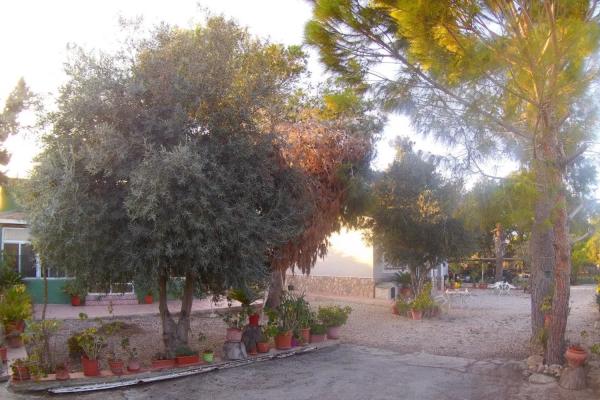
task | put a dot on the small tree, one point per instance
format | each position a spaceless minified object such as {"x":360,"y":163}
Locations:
{"x":413,"y":215}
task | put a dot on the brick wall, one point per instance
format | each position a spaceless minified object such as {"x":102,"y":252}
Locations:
{"x":332,"y":285}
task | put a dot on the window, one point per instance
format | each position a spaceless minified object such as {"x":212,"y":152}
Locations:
{"x":21,"y":258}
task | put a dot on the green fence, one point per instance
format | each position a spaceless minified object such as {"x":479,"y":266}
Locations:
{"x":35,"y":287}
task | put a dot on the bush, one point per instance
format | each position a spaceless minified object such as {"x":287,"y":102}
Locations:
{"x":423,"y":301}
{"x":8,"y":277}
{"x":183,"y":351}
{"x":15,"y":305}
{"x":403,"y":307}
{"x":318,"y":329}
{"x":333,"y":316}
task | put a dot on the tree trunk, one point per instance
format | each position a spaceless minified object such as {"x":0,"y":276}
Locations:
{"x":499,"y":248}
{"x":275,"y":288}
{"x":551,"y":215}
{"x":562,"y":272}
{"x":542,"y":266}
{"x":175,"y":334}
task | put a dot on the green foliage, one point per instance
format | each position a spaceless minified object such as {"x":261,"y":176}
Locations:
{"x":168,"y":152}
{"x":402,"y":278}
{"x":236,"y":320}
{"x":333,"y":316}
{"x":403,"y":306}
{"x":423,"y":301}
{"x":317,"y":329}
{"x":91,"y":342}
{"x":413,"y":214}
{"x":75,"y":287}
{"x":8,"y":277}
{"x":38,"y":336}
{"x":15,"y":305}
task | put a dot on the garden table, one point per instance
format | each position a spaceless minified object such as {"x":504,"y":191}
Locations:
{"x":461,"y":295}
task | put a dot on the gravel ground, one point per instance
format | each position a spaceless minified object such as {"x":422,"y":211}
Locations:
{"x":486,"y":326}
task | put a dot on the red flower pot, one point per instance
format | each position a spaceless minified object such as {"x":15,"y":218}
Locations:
{"x":14,"y":340}
{"x":117,"y":367}
{"x":395,"y":309}
{"x":187,"y":360}
{"x":62,"y":374}
{"x":160,"y":364}
{"x":262,"y":347}
{"x":283,"y":341}
{"x":133,"y":365}
{"x":317,"y":338}
{"x":3,"y":354}
{"x":253,"y":319}
{"x":233,"y":335}
{"x":333,"y":332}
{"x":576,"y":356}
{"x":148,"y":299}
{"x":417,"y":315}
{"x":305,"y":335}
{"x":21,"y":373}
{"x":90,"y":367}
{"x":483,"y":286}
{"x":75,"y":301}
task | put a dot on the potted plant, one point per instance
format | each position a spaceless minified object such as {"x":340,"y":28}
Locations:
{"x":421,"y":303}
{"x":208,"y":356}
{"x":91,"y":343}
{"x":62,"y":371}
{"x":133,"y":362}
{"x":162,"y":360}
{"x":148,"y":299}
{"x":403,"y":280}
{"x":20,"y":370}
{"x":402,"y":307}
{"x":76,"y":290}
{"x":318,"y":333}
{"x":116,"y":364}
{"x":246,"y":296}
{"x":304,"y":316}
{"x":15,"y":308}
{"x":235,"y":321}
{"x":268,"y":332}
{"x":284,"y":318}
{"x":186,"y":356}
{"x":333,"y":317}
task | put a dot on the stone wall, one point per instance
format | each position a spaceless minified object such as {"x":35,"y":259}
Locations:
{"x":332,"y":285}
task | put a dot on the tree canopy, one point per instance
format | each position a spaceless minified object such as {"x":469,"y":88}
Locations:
{"x":414,"y":215}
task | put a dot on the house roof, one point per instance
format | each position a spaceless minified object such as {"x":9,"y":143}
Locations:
{"x":13,"y":217}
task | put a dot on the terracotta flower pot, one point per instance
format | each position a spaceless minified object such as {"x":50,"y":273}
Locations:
{"x":90,"y":367}
{"x":21,"y":373}
{"x":233,"y":335}
{"x":133,"y":365}
{"x":208,"y":356}
{"x":160,"y":364}
{"x":14,"y":340}
{"x":4,"y":354}
{"x":305,"y":335}
{"x":333,"y":332}
{"x":187,"y":360}
{"x":417,"y":315}
{"x":62,"y":374}
{"x":117,"y":367}
{"x":483,"y":286}
{"x":148,"y":299}
{"x":576,"y":356}
{"x":318,"y":338}
{"x":14,"y":326}
{"x":75,"y":301}
{"x":253,"y":319}
{"x":283,"y":341}
{"x":262,"y":347}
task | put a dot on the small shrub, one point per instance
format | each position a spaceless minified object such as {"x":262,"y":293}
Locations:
{"x":403,"y":307}
{"x":318,"y":329}
{"x":183,"y":351}
{"x":333,"y":316}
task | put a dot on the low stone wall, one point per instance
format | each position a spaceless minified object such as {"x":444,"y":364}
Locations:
{"x":332,"y":285}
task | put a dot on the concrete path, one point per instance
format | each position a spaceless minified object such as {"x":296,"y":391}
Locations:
{"x":66,"y":311}
{"x":352,"y":373}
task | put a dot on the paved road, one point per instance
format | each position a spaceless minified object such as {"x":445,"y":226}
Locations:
{"x":350,"y":373}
